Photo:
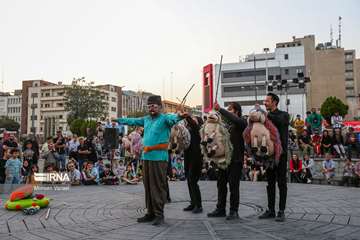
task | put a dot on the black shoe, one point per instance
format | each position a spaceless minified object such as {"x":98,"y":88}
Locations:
{"x":217,"y":213}
{"x":158,"y":221}
{"x":146,"y":218}
{"x":268,"y":214}
{"x":280,"y":217}
{"x":197,"y":210}
{"x":189,"y":208}
{"x":232,"y":215}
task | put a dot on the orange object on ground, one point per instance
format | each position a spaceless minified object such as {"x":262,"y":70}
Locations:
{"x":21,"y":193}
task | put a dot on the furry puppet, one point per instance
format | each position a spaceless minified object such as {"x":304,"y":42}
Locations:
{"x":135,"y":143}
{"x":262,"y":137}
{"x":215,"y":141}
{"x":179,"y":138}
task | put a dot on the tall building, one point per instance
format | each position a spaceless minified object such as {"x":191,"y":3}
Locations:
{"x":332,"y":72}
{"x":10,"y":105}
{"x":171,"y":107}
{"x":133,"y":102}
{"x":14,"y":106}
{"x":45,"y":108}
{"x":247,"y":81}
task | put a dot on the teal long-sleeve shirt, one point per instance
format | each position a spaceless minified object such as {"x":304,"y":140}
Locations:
{"x":156,"y":131}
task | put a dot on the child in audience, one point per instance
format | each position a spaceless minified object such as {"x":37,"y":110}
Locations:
{"x":108,"y":177}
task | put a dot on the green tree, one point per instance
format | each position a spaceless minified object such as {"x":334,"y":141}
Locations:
{"x":84,"y":101}
{"x":75,"y":126}
{"x":332,"y":105}
{"x":9,"y":124}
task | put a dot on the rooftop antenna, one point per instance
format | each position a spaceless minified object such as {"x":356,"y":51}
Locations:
{"x":331,"y":35}
{"x":339,"y":40}
{"x":2,"y":77}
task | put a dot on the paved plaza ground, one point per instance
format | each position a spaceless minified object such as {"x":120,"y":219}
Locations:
{"x":110,"y":212}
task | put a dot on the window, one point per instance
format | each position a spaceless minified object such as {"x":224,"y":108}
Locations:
{"x":271,"y":77}
{"x":33,"y":117}
{"x":47,"y":105}
{"x":41,"y":117}
{"x":243,"y":88}
{"x":41,"y":105}
{"x":286,"y":71}
{"x":286,"y":56}
{"x":113,"y":109}
{"x":243,"y":74}
{"x":41,"y":129}
{"x":60,"y":104}
{"x":60,"y":93}
{"x":113,"y":99}
{"x":34,"y":95}
{"x":60,"y":116}
{"x":47,"y":94}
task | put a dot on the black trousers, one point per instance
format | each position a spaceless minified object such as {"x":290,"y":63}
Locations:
{"x":232,"y":176}
{"x":277,"y":174}
{"x":193,"y":176}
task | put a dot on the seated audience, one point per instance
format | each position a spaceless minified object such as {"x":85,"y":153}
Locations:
{"x":328,"y":168}
{"x":338,"y":143}
{"x":308,"y":169}
{"x":74,"y":174}
{"x":295,"y":169}
{"x":107,"y":177}
{"x":348,"y":173}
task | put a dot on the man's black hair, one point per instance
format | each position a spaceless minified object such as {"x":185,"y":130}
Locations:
{"x":274,"y":97}
{"x":237,"y":108}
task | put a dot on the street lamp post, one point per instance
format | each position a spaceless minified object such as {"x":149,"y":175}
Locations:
{"x":255,"y":79}
{"x":266,"y":50}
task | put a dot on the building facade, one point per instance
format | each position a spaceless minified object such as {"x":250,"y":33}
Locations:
{"x":247,"y":82}
{"x":171,"y":107}
{"x":133,"y":102}
{"x":331,"y":70}
{"x":10,"y":105}
{"x":45,"y":109}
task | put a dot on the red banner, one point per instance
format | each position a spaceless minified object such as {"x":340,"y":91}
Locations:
{"x":353,"y":124}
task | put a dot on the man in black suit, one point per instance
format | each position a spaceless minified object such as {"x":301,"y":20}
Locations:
{"x":278,"y":173}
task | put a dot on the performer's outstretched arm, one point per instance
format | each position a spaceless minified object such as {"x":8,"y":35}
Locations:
{"x":131,"y":121}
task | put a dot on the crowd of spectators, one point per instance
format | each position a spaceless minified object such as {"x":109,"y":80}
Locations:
{"x":88,"y":161}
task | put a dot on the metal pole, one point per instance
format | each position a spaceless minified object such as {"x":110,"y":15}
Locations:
{"x":266,"y":50}
{"x":255,"y":79}
{"x":286,"y":98}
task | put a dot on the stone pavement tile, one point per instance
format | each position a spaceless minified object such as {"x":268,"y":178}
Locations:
{"x":341,"y":219}
{"x":3,"y":227}
{"x":355,"y":221}
{"x":346,"y":230}
{"x":45,"y":234}
{"x":26,"y":235}
{"x":311,"y":217}
{"x":296,"y":215}
{"x":328,"y":228}
{"x":70,"y":233}
{"x":325,"y":218}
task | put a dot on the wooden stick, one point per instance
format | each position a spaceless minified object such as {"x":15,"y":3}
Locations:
{"x":218,"y":81}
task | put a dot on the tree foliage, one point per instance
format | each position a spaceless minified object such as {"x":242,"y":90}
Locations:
{"x":80,"y":126}
{"x":9,"y":124}
{"x":84,"y":101}
{"x":332,"y":105}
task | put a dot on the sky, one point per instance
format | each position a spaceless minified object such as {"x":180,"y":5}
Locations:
{"x":154,"y":45}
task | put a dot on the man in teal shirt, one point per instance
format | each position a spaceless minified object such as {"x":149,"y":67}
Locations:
{"x":157,"y":127}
